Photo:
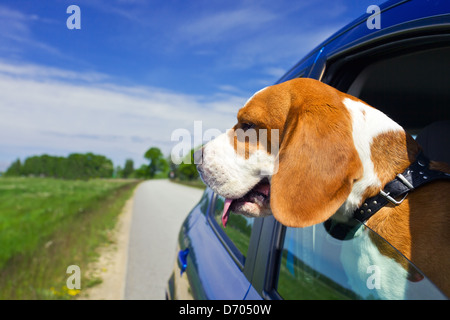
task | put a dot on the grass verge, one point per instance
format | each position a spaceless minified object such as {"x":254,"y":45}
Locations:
{"x":47,"y":225}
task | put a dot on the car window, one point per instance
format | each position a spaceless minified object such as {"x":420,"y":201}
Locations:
{"x":337,"y":261}
{"x":238,"y":228}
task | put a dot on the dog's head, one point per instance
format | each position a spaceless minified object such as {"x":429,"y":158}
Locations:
{"x":294,"y":152}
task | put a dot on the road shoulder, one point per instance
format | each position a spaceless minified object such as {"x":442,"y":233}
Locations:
{"x":112,"y":263}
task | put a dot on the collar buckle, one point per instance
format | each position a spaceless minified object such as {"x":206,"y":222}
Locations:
{"x":403,"y":180}
{"x":390,"y":199}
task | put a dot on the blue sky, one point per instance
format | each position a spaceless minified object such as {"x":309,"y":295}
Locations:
{"x":138,"y":70}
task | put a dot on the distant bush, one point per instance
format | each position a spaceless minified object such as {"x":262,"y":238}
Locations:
{"x":185,"y":171}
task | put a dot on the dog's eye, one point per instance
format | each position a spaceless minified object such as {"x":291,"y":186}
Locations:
{"x":246,"y":126}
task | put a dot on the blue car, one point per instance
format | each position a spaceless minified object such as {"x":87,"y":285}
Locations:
{"x":403,"y":69}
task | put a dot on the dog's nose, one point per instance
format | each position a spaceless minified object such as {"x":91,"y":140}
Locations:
{"x":198,"y":156}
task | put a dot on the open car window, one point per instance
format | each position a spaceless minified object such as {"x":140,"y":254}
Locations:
{"x":337,"y":261}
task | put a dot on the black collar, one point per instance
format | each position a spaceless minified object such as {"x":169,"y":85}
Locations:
{"x":395,"y":191}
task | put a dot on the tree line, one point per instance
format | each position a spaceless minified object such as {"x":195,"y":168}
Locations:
{"x":89,"y":165}
{"x":75,"y":166}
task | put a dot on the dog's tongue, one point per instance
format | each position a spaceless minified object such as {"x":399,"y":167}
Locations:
{"x":262,"y":188}
{"x":226,"y":211}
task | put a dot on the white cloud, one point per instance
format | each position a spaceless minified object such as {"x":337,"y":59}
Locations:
{"x":32,"y":71}
{"x":43,"y":110}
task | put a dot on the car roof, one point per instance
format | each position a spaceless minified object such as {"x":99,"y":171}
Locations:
{"x":393,"y":12}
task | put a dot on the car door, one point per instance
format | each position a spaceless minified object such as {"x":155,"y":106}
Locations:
{"x":214,"y":262}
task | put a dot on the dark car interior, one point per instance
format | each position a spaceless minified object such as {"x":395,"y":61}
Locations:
{"x":410,"y":86}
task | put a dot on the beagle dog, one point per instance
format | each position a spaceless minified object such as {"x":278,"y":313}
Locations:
{"x":318,"y":153}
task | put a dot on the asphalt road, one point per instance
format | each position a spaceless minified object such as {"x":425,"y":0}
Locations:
{"x":159,"y":209}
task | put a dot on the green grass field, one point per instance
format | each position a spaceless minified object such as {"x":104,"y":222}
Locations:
{"x":47,"y":225}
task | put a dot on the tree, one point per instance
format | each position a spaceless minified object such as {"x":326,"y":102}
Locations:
{"x":187,"y":170}
{"x":157,"y":162}
{"x":128,"y":169}
{"x":118,"y":172}
{"x":32,"y":166}
{"x":141,"y":172}
{"x":15,"y":169}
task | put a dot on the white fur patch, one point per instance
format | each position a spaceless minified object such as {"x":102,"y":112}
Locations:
{"x":231,"y":175}
{"x":367,"y":123}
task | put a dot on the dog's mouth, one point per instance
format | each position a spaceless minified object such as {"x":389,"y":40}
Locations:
{"x":255,"y":203}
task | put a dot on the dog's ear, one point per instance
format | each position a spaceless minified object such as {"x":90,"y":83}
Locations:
{"x":318,"y":164}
